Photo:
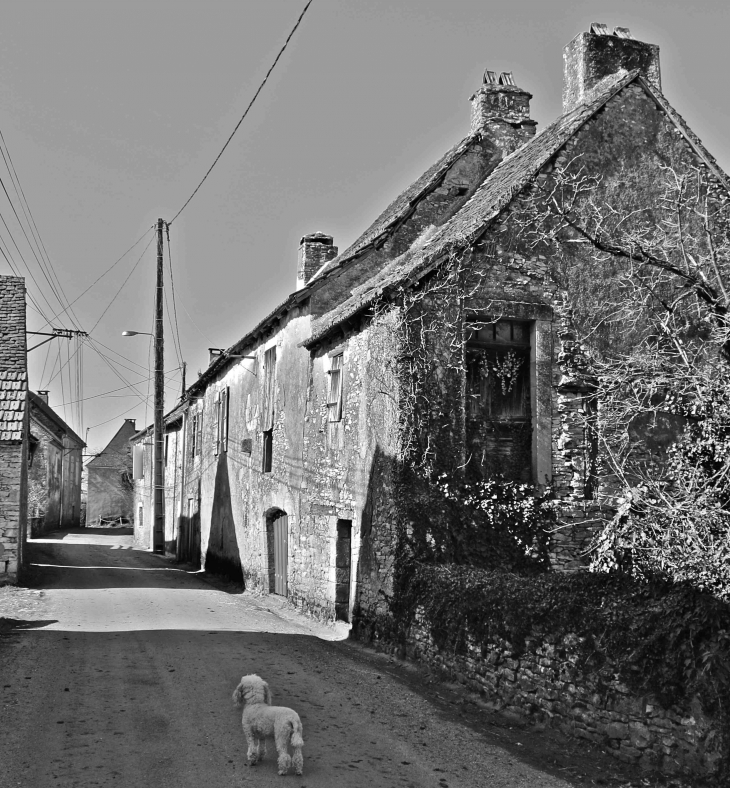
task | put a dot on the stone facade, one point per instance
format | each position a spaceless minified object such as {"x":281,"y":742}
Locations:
{"x":110,"y":490}
{"x":13,"y":428}
{"x":54,"y":469}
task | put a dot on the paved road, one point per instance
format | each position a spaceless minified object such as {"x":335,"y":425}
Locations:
{"x":120,"y":673}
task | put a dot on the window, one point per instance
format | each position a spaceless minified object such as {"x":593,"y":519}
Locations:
{"x":221,"y":419}
{"x":196,"y":433}
{"x":498,"y":372}
{"x":334,"y":395}
{"x":267,"y":450}
{"x":498,"y":408}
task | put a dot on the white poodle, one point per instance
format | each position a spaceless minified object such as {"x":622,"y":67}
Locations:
{"x":260,"y":719}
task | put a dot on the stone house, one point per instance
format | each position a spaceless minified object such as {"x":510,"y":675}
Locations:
{"x":54,"y":468}
{"x":289,"y":448}
{"x":13,"y":427}
{"x":109,"y":479}
{"x":179,"y":538}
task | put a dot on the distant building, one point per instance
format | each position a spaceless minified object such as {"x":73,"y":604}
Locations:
{"x":13,"y":426}
{"x":54,"y":469}
{"x":110,"y":493}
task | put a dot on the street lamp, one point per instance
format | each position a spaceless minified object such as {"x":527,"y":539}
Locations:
{"x":135,"y":333}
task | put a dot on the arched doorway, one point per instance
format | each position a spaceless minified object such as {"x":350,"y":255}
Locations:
{"x":277,"y":539}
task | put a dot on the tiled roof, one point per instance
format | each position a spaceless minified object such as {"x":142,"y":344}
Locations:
{"x":497,"y":191}
{"x":13,"y":387}
{"x":400,"y":207}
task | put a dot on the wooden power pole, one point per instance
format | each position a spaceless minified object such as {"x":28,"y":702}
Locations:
{"x":158,"y":476}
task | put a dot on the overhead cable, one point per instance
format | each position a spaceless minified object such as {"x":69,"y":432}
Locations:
{"x":268,"y":73}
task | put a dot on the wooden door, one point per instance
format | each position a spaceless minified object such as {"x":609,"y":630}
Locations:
{"x":281,"y":553}
{"x":342,"y":570}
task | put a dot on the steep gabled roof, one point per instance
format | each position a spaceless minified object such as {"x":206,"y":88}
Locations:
{"x":121,"y":438}
{"x":400,"y":208}
{"x":490,"y":199}
{"x":39,"y":408}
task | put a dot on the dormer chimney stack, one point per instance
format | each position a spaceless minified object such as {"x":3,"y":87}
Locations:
{"x":590,"y":57}
{"x":315,"y":250}
{"x":501,"y":111}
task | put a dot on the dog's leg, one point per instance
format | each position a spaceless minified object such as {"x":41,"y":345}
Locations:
{"x":281,"y":737}
{"x":253,"y":749}
{"x":297,"y":743}
{"x":297,"y":761}
{"x":284,"y":762}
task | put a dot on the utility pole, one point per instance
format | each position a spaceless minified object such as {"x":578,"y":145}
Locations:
{"x":158,"y":476}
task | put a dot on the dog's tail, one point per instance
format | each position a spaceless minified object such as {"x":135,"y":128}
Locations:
{"x":296,"y":733}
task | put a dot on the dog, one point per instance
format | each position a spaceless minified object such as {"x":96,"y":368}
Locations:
{"x":260,"y":719}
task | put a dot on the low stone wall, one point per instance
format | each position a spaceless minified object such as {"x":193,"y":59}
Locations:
{"x":545,"y":684}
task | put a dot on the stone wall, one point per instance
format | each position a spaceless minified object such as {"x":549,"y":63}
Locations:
{"x":545,"y":684}
{"x":12,"y":510}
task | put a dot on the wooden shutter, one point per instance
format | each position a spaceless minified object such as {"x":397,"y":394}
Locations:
{"x":267,"y":410}
{"x":217,"y":409}
{"x":334,"y":397}
{"x":226,"y":411}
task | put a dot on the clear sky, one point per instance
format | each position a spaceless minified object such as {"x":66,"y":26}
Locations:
{"x":113,"y":111}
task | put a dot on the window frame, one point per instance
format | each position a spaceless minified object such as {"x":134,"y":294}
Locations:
{"x":335,"y":387}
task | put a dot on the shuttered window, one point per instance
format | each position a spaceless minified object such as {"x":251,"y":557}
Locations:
{"x":196,"y":434}
{"x":334,"y":395}
{"x":267,"y":408}
{"x":221,"y":420}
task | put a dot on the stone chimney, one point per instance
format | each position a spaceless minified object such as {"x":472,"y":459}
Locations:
{"x":590,"y":57}
{"x":315,"y":250}
{"x":43,"y":395}
{"x":501,"y":111}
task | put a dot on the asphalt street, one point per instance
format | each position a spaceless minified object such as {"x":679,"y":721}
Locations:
{"x":117,"y":669}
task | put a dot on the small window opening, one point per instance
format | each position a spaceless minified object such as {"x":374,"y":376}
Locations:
{"x":268,"y":450}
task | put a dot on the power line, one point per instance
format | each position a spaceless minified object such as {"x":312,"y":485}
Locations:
{"x":116,"y":295}
{"x":176,"y":335}
{"x":99,"y":278}
{"x":261,"y":86}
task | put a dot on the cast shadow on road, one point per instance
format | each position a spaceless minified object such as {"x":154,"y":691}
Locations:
{"x":63,"y":564}
{"x":59,"y":536}
{"x":10,"y":624}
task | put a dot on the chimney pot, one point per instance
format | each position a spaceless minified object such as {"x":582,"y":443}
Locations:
{"x":43,"y":395}
{"x":599,"y":29}
{"x":622,"y":32}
